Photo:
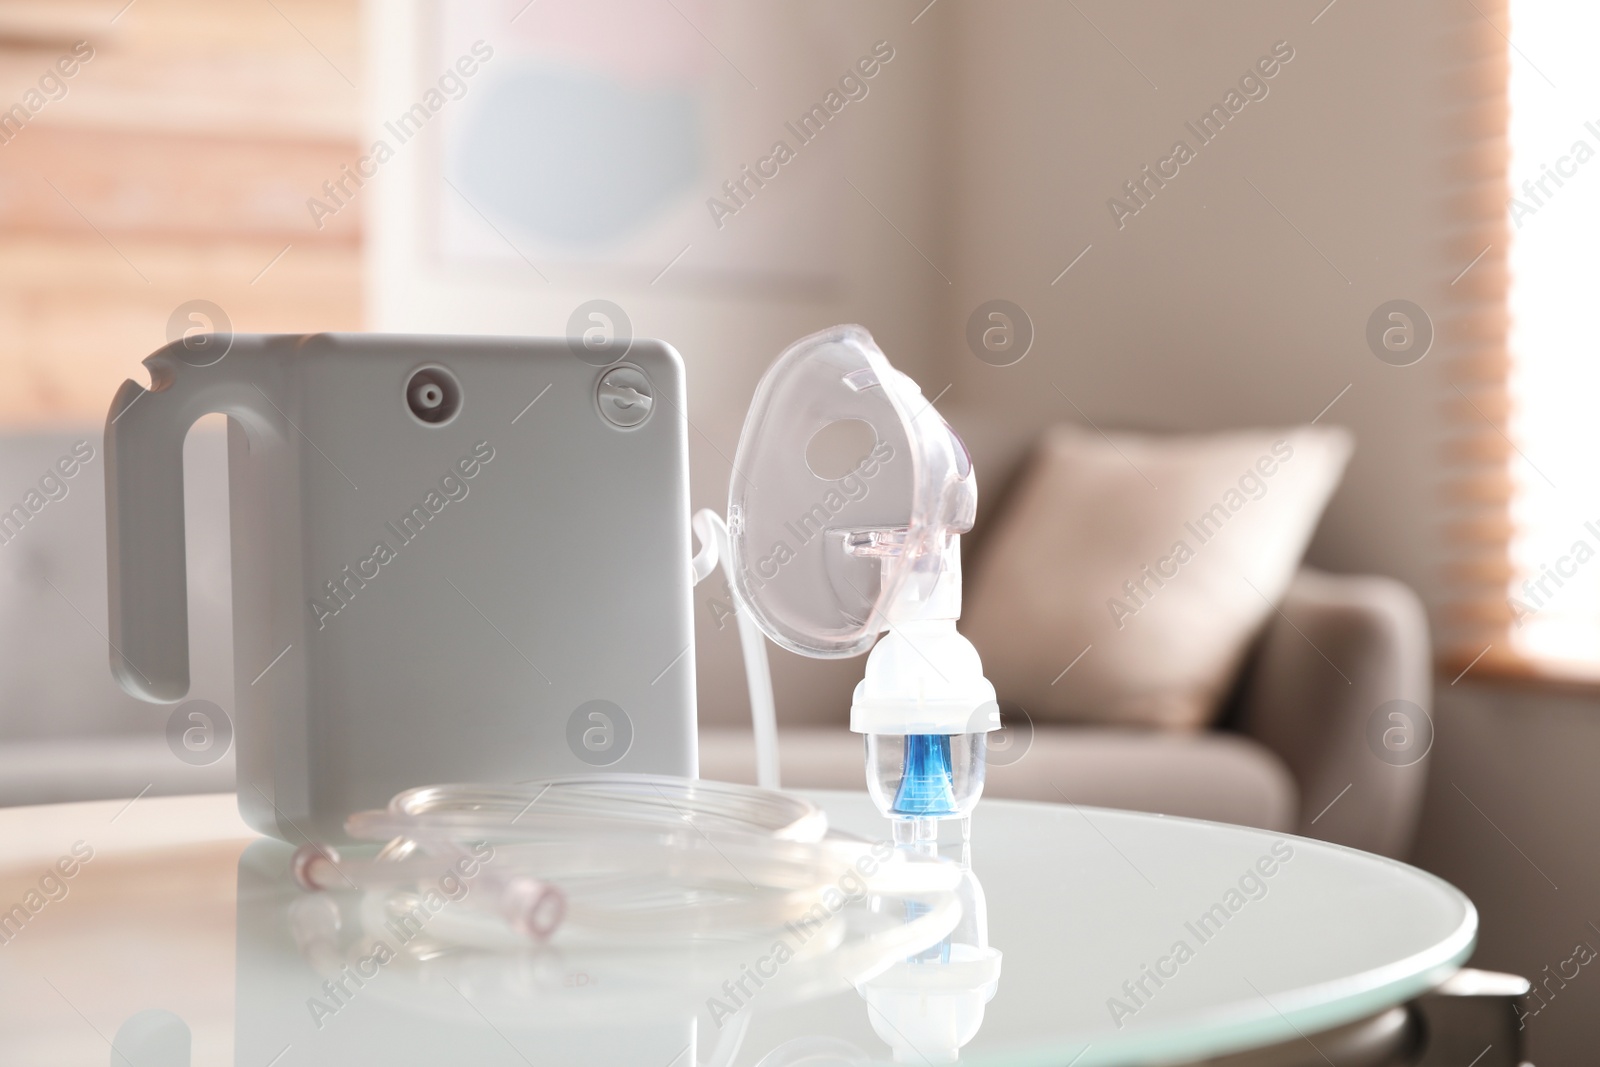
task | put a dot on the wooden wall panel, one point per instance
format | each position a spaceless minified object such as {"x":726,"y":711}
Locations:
{"x":198,"y":188}
{"x":75,"y":320}
{"x":176,"y":166}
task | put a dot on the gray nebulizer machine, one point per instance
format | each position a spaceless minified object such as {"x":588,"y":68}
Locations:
{"x":454,"y":560}
{"x":464,"y":560}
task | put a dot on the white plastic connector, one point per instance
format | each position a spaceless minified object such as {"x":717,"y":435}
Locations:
{"x":924,"y":678}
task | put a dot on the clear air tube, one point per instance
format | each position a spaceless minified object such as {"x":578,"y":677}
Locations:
{"x":712,"y":531}
{"x":623,"y":855}
{"x":529,"y":907}
{"x":581,"y":805}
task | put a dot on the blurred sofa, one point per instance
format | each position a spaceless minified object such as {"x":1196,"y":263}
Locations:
{"x":1292,"y":741}
{"x":67,"y":730}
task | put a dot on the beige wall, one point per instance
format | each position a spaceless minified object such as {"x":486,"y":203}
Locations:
{"x":1207,"y":309}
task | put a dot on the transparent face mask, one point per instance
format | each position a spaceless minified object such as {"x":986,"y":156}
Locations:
{"x":847,"y":491}
{"x":848,"y":499}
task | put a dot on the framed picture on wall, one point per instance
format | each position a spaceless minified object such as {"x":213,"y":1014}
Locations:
{"x":621,"y":135}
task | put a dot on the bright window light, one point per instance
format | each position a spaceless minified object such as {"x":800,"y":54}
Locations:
{"x":1555,"y":335}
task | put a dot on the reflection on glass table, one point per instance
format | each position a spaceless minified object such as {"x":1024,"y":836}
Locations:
{"x":1126,"y":938}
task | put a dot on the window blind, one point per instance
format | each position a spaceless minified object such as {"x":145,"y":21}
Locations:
{"x":1473,"y":333}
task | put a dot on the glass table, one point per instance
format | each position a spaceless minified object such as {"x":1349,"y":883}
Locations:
{"x":1083,"y":936}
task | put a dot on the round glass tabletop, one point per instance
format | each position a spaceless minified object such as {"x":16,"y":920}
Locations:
{"x":1083,"y":936}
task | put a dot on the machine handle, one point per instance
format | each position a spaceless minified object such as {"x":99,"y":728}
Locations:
{"x":146,"y":567}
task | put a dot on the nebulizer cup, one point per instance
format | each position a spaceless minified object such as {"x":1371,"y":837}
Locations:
{"x":827,"y":560}
{"x":926,"y":711}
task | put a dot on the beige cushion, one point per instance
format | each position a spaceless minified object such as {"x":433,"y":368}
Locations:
{"x":1162,"y":556}
{"x":1209,"y":775}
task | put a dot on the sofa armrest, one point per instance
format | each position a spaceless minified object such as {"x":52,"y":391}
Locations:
{"x":1338,"y":649}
